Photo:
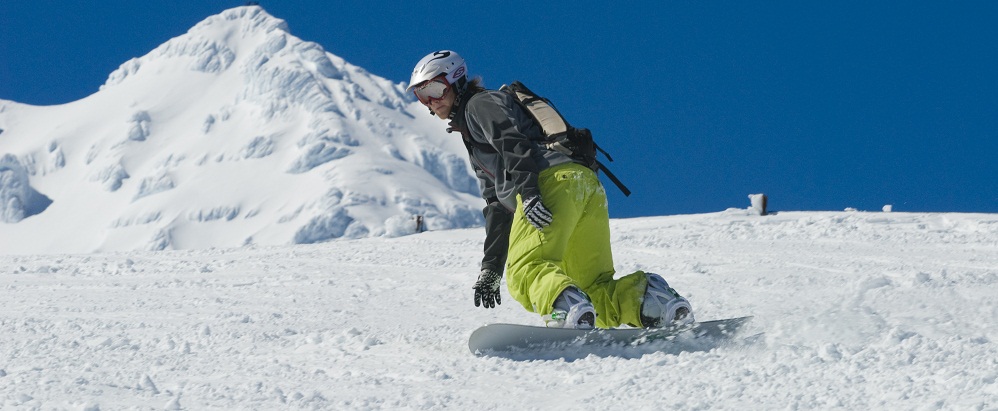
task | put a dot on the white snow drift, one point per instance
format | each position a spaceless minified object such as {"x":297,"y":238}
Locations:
{"x":860,"y":310}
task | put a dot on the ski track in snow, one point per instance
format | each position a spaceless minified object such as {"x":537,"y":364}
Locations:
{"x":859,"y":310}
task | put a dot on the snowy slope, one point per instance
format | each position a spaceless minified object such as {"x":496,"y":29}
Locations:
{"x":860,"y":310}
{"x":236,"y":132}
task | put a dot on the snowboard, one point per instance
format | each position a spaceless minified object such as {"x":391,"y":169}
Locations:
{"x":499,"y":339}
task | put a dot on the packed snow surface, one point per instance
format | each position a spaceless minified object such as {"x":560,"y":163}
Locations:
{"x":859,"y":310}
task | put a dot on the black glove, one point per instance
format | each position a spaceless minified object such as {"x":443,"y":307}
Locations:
{"x":536,"y":213}
{"x":487,"y":289}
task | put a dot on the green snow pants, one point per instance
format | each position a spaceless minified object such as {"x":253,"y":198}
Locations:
{"x":573,"y":250}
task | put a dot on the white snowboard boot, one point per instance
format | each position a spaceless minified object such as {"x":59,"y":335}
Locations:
{"x":662,"y":305}
{"x":572,"y":309}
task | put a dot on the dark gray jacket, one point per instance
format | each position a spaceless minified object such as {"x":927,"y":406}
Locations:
{"x":505,"y":147}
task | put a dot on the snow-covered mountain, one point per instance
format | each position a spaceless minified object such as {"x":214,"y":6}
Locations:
{"x":236,"y":132}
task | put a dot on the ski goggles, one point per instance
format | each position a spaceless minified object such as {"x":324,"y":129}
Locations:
{"x":431,"y":90}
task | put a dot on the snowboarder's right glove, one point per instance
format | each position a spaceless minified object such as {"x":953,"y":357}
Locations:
{"x":487,"y":289}
{"x":536,"y":213}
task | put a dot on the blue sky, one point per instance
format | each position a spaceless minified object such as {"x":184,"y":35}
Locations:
{"x":820,"y":105}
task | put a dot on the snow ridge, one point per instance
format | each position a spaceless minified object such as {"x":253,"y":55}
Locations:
{"x":263,"y":137}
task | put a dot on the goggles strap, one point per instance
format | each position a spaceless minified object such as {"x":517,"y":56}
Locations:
{"x":458,"y":97}
{"x":460,"y":89}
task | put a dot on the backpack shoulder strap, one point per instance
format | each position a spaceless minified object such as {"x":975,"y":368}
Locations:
{"x":541,"y":109}
{"x":559,"y":132}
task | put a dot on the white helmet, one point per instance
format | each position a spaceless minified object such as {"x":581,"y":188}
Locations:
{"x":437,"y":63}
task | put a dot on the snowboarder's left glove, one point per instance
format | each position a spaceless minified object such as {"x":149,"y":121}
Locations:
{"x":487,"y":289}
{"x":536,"y":213}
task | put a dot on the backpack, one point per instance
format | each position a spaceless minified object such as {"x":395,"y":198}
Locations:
{"x":576,"y":143}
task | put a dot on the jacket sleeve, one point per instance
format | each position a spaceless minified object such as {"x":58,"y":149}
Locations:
{"x":498,"y":123}
{"x":498,"y":221}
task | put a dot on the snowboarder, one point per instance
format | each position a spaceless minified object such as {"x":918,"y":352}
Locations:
{"x":546,"y":216}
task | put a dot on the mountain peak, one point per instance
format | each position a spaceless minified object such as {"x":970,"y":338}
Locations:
{"x":248,"y":18}
{"x":213,"y":44}
{"x":236,"y":132}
